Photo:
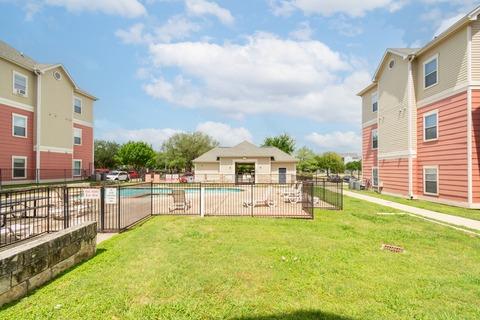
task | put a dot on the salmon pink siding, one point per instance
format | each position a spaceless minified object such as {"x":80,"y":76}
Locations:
{"x":393,"y":175}
{"x":369,"y":155}
{"x":448,"y":152}
{"x":15,"y":146}
{"x":84,"y":151}
{"x":55,"y":165}
{"x":476,"y":145}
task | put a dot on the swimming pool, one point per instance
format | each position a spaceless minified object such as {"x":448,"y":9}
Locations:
{"x":139,"y":191}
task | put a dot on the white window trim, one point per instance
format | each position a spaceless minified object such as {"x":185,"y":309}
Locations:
{"x":425,"y":115}
{"x":374,"y":94}
{"x":13,"y":84}
{"x":81,"y":136}
{"x":13,"y":125}
{"x":81,"y":105}
{"x":425,"y":75}
{"x":424,"y":181}
{"x":13,"y":167}
{"x":73,"y":167}
{"x":373,"y":180}
{"x":374,"y":130}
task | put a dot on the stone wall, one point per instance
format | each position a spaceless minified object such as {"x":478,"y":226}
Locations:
{"x":27,"y":266}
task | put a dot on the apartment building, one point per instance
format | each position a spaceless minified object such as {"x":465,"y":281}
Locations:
{"x":46,"y":121}
{"x":421,"y":119}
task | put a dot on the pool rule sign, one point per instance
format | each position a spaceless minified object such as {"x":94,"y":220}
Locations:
{"x":110,"y":195}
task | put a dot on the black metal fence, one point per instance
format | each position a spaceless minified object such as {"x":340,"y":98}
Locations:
{"x":31,"y":212}
{"x":19,"y":176}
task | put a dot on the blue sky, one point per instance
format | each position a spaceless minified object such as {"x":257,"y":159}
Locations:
{"x":233,"y":69}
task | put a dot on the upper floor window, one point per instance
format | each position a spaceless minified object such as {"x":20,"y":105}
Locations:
{"x":20,"y":84}
{"x":374,"y":102}
{"x":430,"y":126}
{"x":77,"y":136}
{"x":19,"y":125}
{"x":77,"y":105}
{"x":374,"y":139}
{"x":430,"y":72}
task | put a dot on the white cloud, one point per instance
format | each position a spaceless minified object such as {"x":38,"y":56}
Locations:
{"x":336,"y":141}
{"x":125,"y":8}
{"x":447,"y":23}
{"x":303,"y":32}
{"x":353,"y":8}
{"x":133,"y":35}
{"x":265,"y":74}
{"x":203,"y":7}
{"x":155,"y":137}
{"x":224,"y":133}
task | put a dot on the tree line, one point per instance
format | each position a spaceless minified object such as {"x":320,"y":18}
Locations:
{"x":178,"y":152}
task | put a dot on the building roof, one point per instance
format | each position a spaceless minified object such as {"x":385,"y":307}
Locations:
{"x":19,"y":58}
{"x":245,"y":149}
{"x":412,"y":53}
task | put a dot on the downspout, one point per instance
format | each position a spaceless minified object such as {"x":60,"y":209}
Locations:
{"x":38,"y":125}
{"x":469,"y":118}
{"x":410,"y":106}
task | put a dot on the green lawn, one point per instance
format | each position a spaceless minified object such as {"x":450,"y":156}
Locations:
{"x":438,"y":207}
{"x":264,"y":269}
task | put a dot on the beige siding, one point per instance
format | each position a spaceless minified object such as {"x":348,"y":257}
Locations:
{"x":6,"y":83}
{"x":476,"y":51}
{"x":452,"y":65}
{"x":56,"y":119}
{"x":87,"y":108}
{"x":392,"y":107}
{"x":291,"y":170}
{"x":367,"y":113}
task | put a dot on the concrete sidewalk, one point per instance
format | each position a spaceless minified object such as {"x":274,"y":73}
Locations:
{"x":433,"y":215}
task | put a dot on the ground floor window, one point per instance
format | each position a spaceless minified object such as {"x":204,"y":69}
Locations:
{"x":375,"y":177}
{"x":19,"y":167}
{"x":77,"y":168}
{"x":430,"y":180}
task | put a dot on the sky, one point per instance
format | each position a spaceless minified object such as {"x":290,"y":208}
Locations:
{"x":236,"y":70}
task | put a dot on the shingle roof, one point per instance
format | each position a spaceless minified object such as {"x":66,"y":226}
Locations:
{"x":245,"y":149}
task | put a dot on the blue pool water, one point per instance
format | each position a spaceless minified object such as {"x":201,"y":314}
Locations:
{"x":135,"y":192}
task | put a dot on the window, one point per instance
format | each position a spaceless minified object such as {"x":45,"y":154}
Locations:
{"x":430,"y":125}
{"x":430,"y":180}
{"x":20,"y":84}
{"x":430,"y":71}
{"x":19,"y":167}
{"x":375,"y":177}
{"x":19,"y":125}
{"x":374,"y":102}
{"x":77,"y":168}
{"x":391,"y":64}
{"x":374,"y":139}
{"x":77,"y":136}
{"x":77,"y":105}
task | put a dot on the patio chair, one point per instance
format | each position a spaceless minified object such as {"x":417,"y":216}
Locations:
{"x":293,"y":198}
{"x":17,"y":230}
{"x":293,"y":191}
{"x":180,"y":201}
{"x":265,"y":201}
{"x":77,"y":206}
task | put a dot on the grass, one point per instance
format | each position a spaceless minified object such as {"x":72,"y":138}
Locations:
{"x":438,"y":207}
{"x":264,"y":269}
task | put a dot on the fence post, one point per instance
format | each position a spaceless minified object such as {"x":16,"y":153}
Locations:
{"x":251,"y":199}
{"x":102,"y":208}
{"x":324,"y":195}
{"x":0,"y":179}
{"x":202,"y":201}
{"x":151,"y":197}
{"x":118,"y":207}
{"x":48,"y":209}
{"x":66,"y":216}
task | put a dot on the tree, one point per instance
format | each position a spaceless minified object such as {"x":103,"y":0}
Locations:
{"x":181,"y":149}
{"x":138,"y":155}
{"x":306,"y":160}
{"x":105,"y":152}
{"x":283,"y":142}
{"x":354,"y":166}
{"x":331,"y":162}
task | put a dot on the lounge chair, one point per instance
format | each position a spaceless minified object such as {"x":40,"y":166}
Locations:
{"x":17,"y":230}
{"x":293,"y":198}
{"x":295,"y":190}
{"x":265,"y":201}
{"x":77,"y":207}
{"x":180,"y":201}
